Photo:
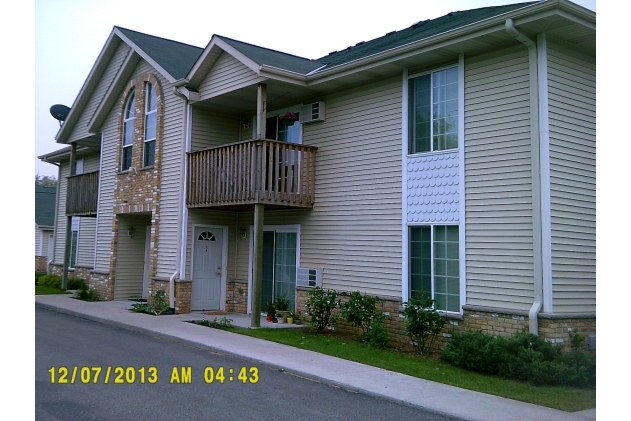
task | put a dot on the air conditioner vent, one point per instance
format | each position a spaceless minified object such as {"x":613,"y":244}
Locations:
{"x":312,"y":112}
{"x":309,"y":277}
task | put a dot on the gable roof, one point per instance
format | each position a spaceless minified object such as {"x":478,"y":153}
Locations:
{"x":273,"y":58}
{"x":417,"y":32}
{"x":45,"y":201}
{"x":174,"y":57}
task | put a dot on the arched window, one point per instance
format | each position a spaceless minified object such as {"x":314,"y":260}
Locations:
{"x":151,"y":108}
{"x":128,"y":132}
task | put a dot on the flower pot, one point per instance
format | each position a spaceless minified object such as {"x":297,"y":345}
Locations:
{"x":269,"y":317}
{"x":290,"y":321}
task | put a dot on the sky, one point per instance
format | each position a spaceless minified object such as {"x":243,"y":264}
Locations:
{"x":69,"y":35}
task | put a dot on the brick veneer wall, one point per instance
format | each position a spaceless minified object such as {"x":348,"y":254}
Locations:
{"x":40,"y":263}
{"x":97,"y":280}
{"x":237,"y":296}
{"x":183,"y":290}
{"x":137,"y":190}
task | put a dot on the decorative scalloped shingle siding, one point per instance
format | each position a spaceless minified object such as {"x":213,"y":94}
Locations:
{"x":433,"y":185}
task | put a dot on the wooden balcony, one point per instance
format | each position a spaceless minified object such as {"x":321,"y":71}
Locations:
{"x":82,"y":195}
{"x":239,"y":175}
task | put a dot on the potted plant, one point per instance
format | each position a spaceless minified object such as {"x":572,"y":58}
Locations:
{"x":271,"y":311}
{"x":282,"y":308}
{"x":290,"y":317}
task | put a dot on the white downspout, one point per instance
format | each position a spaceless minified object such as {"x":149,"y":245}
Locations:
{"x":56,"y":214}
{"x":183,"y":219}
{"x":536,"y":176}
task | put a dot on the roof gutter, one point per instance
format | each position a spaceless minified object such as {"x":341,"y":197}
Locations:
{"x":490,"y":25}
{"x":535,"y":129}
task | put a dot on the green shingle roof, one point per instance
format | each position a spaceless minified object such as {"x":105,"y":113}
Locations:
{"x":175,"y":57}
{"x":178,"y":58}
{"x":274,"y":58}
{"x":45,"y":200}
{"x":416,"y":32}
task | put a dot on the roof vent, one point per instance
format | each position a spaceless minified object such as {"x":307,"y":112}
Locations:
{"x":390,"y":33}
{"x":360,"y":43}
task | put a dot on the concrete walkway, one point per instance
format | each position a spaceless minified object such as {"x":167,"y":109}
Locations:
{"x":386,"y":384}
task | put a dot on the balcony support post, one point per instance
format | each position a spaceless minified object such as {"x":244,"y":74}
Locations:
{"x":64,"y":276}
{"x":261,"y":111}
{"x":257,"y":265}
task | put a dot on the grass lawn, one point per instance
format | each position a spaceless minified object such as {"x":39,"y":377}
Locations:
{"x":43,"y":290}
{"x":565,"y":399}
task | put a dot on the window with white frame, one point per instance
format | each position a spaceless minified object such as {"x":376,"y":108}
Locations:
{"x":433,"y":111}
{"x":128,"y":132}
{"x":74,"y":240}
{"x":151,"y":108}
{"x":435,"y":265}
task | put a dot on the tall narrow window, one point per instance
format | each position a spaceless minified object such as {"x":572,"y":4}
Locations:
{"x":151,"y":107}
{"x":434,"y":265}
{"x":74,"y":240}
{"x":128,"y":132}
{"x":433,"y":111}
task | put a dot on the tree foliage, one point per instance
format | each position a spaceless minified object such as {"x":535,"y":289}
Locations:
{"x":45,"y":181}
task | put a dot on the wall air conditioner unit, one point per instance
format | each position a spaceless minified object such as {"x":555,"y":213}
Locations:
{"x":309,"y":277}
{"x":312,"y":112}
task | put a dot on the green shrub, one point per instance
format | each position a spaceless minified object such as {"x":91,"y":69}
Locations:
{"x":38,"y":275}
{"x":422,"y":323}
{"x":320,"y":305}
{"x":377,"y":336}
{"x":75,"y":283}
{"x":523,"y":356}
{"x":156,"y":307}
{"x":85,"y":292}
{"x":224,"y":323}
{"x":361,"y":311}
{"x":53,"y":281}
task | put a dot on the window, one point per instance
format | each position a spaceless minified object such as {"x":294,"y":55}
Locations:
{"x":435,"y":266}
{"x":78,"y":166}
{"x":151,"y":107}
{"x":128,"y":132}
{"x":433,"y":111}
{"x":74,"y":241}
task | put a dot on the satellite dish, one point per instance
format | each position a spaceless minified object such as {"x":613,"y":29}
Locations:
{"x":59,"y":112}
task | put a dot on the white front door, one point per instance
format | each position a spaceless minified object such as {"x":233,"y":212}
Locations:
{"x":206,"y":293}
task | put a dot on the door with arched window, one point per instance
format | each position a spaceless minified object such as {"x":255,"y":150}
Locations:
{"x":207,"y":268}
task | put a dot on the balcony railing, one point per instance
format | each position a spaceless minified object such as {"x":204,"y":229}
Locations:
{"x":274,"y":173}
{"x":82,"y":195}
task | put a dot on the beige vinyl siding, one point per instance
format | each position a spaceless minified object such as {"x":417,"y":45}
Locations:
{"x":498,"y":184}
{"x":38,"y":241}
{"x":130,"y":257}
{"x":227,"y":74}
{"x":80,"y":130}
{"x":60,"y":215}
{"x":210,"y":130}
{"x":170,"y":192}
{"x":354,"y":230}
{"x":85,"y":245}
{"x":170,"y":179}
{"x":572,"y":111}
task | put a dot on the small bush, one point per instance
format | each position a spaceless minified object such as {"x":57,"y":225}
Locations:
{"x":53,"y":281}
{"x":361,"y":311}
{"x":224,"y":323}
{"x":320,"y":305}
{"x":525,"y":357}
{"x":75,"y":283}
{"x":85,"y":292}
{"x":377,"y":336}
{"x":156,"y":307}
{"x":422,"y":323}
{"x":39,"y":275}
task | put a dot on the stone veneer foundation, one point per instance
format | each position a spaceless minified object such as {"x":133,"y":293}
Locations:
{"x":555,"y":329}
